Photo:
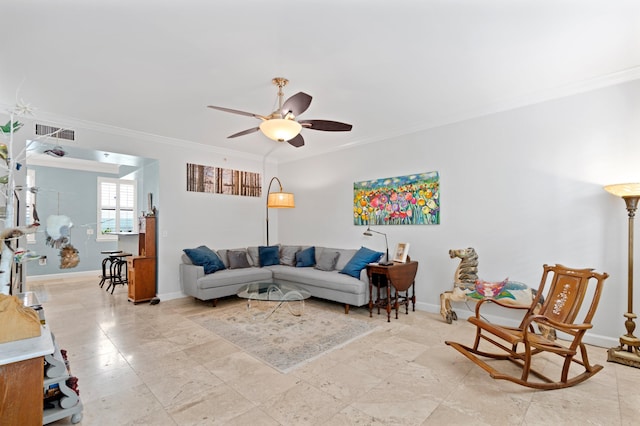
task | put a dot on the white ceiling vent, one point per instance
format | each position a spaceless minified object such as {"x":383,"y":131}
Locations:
{"x":55,"y":132}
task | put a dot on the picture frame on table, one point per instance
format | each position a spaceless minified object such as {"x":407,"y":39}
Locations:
{"x":402,"y":250}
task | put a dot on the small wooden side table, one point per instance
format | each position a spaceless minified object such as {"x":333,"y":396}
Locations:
{"x":400,"y":276}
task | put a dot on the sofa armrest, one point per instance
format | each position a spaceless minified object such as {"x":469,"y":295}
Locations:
{"x":189,"y":275}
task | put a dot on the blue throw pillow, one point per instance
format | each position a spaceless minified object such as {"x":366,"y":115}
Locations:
{"x":359,"y":261}
{"x":306,"y":257}
{"x":205,"y":257}
{"x":269,"y":255}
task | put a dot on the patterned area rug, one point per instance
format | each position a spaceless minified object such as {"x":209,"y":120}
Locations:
{"x":281,"y":339}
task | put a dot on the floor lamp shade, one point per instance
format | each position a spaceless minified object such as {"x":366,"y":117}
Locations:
{"x":281,"y":200}
{"x":278,"y":200}
{"x":628,"y":353}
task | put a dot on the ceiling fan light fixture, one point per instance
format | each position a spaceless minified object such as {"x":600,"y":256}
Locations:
{"x":280,"y":129}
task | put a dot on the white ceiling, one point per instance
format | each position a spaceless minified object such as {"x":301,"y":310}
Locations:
{"x":387,"y":67}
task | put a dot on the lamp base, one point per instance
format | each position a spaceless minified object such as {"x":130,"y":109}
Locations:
{"x":624,"y":357}
{"x":385,"y":263}
{"x":627,"y":353}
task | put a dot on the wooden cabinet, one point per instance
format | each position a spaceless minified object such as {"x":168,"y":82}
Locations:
{"x":21,"y":392}
{"x":142,"y":268}
{"x":142,"y":278}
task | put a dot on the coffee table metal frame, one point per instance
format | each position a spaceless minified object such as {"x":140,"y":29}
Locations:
{"x":282,"y":293}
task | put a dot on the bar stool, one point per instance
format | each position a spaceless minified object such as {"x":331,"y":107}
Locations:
{"x":108,"y":259}
{"x":117,"y":264}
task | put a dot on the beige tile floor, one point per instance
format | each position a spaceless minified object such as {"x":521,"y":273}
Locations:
{"x":149,"y":364}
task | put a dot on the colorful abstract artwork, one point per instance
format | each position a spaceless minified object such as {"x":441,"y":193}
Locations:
{"x":402,"y":200}
{"x":223,"y":181}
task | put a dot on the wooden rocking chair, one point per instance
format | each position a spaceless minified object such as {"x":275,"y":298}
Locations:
{"x":558,"y":312}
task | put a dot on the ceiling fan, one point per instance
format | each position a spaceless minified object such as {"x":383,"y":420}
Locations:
{"x":281,"y":125}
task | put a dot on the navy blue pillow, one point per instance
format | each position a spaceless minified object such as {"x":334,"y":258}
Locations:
{"x":359,"y":261}
{"x":306,"y":257}
{"x":269,"y":255}
{"x":204,"y":256}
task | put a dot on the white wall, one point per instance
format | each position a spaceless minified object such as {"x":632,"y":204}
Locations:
{"x":523,"y":187}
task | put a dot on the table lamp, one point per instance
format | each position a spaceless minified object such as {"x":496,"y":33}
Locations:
{"x":368,"y":233}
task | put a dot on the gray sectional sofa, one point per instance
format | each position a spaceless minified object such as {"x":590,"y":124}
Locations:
{"x":322,"y":280}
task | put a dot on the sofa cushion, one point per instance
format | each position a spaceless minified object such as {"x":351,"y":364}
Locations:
{"x":327,"y":260}
{"x":238,"y":259}
{"x":223,"y":255}
{"x":345,"y":255}
{"x":269,"y":255}
{"x":254,"y":258}
{"x":306,"y":257}
{"x":312,"y":277}
{"x":360,"y":260}
{"x":234,"y":277}
{"x":288,"y":255}
{"x":205,"y":257}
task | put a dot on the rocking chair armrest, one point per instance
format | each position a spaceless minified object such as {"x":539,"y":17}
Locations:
{"x":562,"y":326}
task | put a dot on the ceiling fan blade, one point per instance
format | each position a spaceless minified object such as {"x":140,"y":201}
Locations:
{"x":298,"y":141}
{"x":297,"y":104}
{"x":235,"y":111}
{"x":326,"y":125}
{"x":244,"y":132}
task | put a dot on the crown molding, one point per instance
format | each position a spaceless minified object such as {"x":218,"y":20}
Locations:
{"x":532,"y":98}
{"x":72,"y":164}
{"x":76,"y":124}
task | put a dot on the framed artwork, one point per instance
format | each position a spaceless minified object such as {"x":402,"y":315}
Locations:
{"x":403,"y":200}
{"x":217,"y":180}
{"x":402,"y":250}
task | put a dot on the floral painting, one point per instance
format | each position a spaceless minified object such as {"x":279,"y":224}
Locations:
{"x":402,"y":200}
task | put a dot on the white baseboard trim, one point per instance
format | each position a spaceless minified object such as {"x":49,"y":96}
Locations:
{"x":171,"y":296}
{"x":463,"y":314}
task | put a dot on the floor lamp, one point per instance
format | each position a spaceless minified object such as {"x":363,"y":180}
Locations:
{"x":628,"y":351}
{"x":278,"y":200}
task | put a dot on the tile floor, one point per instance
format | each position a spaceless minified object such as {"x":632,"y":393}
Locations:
{"x":149,"y":364}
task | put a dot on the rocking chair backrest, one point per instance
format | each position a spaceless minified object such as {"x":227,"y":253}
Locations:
{"x":566,"y":293}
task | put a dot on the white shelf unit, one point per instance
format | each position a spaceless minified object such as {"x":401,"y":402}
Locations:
{"x":55,"y":378}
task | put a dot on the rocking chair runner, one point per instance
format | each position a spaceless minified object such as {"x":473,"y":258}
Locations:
{"x":561,"y":306}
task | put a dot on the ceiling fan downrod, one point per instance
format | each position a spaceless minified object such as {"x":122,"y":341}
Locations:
{"x":280,"y":82}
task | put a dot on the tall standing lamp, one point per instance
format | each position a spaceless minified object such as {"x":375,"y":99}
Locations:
{"x":278,"y":200}
{"x":368,"y":233}
{"x":628,"y":351}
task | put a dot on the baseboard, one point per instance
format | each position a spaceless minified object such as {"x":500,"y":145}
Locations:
{"x":171,"y":296}
{"x":465,"y":312}
{"x":83,"y":274}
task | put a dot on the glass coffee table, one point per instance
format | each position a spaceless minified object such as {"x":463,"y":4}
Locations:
{"x":291,"y":295}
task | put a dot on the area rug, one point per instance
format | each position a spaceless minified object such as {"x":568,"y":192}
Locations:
{"x":283,"y":340}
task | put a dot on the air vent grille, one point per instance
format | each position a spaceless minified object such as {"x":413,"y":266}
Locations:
{"x":55,"y":132}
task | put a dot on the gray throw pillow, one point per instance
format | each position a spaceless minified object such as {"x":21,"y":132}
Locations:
{"x":254,"y":257}
{"x":238,"y":259}
{"x":288,"y":255}
{"x":327,"y":260}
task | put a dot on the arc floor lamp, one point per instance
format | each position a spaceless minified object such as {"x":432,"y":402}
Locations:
{"x":628,"y":353}
{"x":278,"y":200}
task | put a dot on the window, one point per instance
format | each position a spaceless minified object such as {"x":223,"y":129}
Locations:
{"x":116,"y":207}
